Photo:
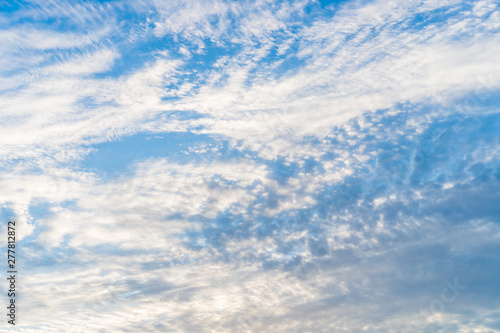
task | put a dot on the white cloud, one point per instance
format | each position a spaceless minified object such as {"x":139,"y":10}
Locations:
{"x":97,"y":62}
{"x":14,"y":40}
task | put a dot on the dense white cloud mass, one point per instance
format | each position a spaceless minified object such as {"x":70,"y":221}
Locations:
{"x":252,"y":166}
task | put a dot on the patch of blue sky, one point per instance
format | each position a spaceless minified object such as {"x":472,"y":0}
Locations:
{"x":290,"y":64}
{"x":46,"y":260}
{"x":10,"y":7}
{"x":321,"y":9}
{"x":277,"y":64}
{"x":484,"y":99}
{"x":437,"y":17}
{"x":202,"y":62}
{"x":7,"y":213}
{"x":41,"y":258}
{"x":40,"y":210}
{"x":134,"y":55}
{"x":326,"y":3}
{"x":115,"y":158}
{"x":446,"y":147}
{"x":229,"y":227}
{"x":30,"y":14}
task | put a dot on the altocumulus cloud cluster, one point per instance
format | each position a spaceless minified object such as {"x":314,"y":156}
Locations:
{"x":252,"y":166}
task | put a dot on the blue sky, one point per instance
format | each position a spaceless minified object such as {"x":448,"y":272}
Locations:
{"x":252,"y":166}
